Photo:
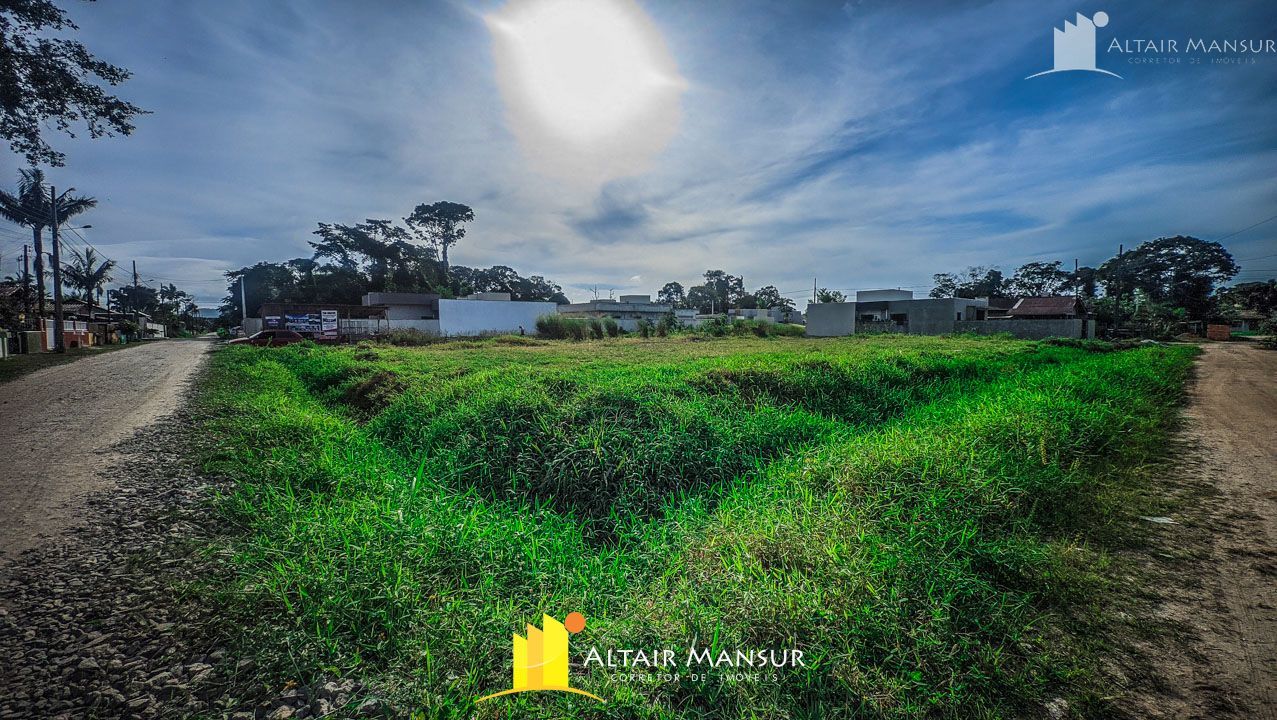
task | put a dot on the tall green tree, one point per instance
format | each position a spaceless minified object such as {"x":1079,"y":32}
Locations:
{"x":727,"y":289}
{"x":47,"y":82}
{"x":769,"y":297}
{"x":31,"y":206}
{"x":1180,"y":271}
{"x":86,"y":273}
{"x":825,"y":295}
{"x":1258,"y":296}
{"x":672,"y":294}
{"x":1040,"y":279}
{"x":977,"y":281}
{"x":442,"y":224}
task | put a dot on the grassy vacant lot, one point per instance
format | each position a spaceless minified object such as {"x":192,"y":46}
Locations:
{"x":925,"y":517}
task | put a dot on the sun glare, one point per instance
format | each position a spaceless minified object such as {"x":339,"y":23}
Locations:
{"x":586,"y":73}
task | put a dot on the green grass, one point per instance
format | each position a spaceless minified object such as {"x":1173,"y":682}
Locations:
{"x":926,"y":518}
{"x":16,"y":366}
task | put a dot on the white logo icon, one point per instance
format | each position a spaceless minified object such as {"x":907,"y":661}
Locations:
{"x":1075,"y":46}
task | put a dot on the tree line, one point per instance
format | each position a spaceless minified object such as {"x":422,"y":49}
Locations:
{"x":87,"y":273}
{"x":1161,"y":281}
{"x":720,"y":291}
{"x":381,"y":256}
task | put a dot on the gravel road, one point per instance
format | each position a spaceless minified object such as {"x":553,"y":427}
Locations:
{"x":57,"y":427}
{"x":1214,"y":572}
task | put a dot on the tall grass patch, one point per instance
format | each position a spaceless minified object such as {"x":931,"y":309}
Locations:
{"x":917,"y":514}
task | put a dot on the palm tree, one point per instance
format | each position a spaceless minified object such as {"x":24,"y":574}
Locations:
{"x":30,"y":207}
{"x":87,"y":274}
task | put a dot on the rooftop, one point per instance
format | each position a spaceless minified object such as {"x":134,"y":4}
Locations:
{"x":1033,"y":306}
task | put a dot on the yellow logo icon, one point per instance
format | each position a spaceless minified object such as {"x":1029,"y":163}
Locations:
{"x":541,"y":658}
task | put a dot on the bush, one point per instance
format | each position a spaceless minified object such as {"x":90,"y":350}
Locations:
{"x":644,"y":329}
{"x":596,"y":328}
{"x":613,"y":329}
{"x":557,"y":327}
{"x":1269,"y":329}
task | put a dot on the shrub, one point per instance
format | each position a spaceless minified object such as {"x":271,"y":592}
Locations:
{"x":557,"y":327}
{"x":644,"y":329}
{"x":596,"y":328}
{"x":613,"y":329}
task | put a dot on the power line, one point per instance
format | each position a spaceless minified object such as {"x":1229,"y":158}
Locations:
{"x":1248,"y":227}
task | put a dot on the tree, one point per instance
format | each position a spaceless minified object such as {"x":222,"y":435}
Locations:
{"x":50,"y":82}
{"x":1180,"y":271}
{"x":1085,"y":281}
{"x":30,"y":207}
{"x":976,"y":282}
{"x":672,"y":294}
{"x":1040,"y":279}
{"x":727,"y":290}
{"x":375,"y":246}
{"x":703,"y":299}
{"x":1260,"y":297}
{"x":442,"y":224}
{"x":87,"y":274}
{"x":769,"y":297}
{"x":825,"y":295}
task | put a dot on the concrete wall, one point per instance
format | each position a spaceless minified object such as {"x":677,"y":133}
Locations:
{"x":482,"y":317}
{"x":831,"y":319}
{"x":1029,"y":329}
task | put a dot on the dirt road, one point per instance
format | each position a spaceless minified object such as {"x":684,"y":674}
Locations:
{"x":57,"y":427}
{"x":1215,"y":574}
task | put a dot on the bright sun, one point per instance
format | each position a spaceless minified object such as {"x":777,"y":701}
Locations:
{"x":588,"y":72}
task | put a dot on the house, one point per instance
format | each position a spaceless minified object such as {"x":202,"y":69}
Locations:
{"x":1248,"y":321}
{"x":1065,"y":307}
{"x":897,"y":311}
{"x":627,"y":311}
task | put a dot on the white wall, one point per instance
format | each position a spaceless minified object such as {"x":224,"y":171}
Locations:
{"x":482,"y":317}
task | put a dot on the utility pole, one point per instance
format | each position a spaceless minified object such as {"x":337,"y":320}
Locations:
{"x":26,"y":284}
{"x":137,"y":317}
{"x":59,"y":342}
{"x":243,"y":302}
{"x":813,"y":289}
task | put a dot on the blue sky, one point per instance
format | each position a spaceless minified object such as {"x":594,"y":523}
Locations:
{"x":866,"y":144}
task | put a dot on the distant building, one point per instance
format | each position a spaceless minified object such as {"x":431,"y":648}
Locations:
{"x":897,"y":311}
{"x":1047,"y":308}
{"x":776,"y":314}
{"x":487,"y":313}
{"x":627,"y":311}
{"x":1248,"y":321}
